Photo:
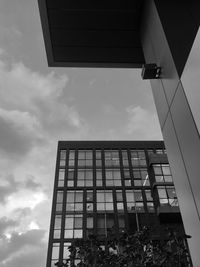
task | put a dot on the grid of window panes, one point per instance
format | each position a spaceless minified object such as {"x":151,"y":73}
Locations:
{"x":167,"y":196}
{"x":119,"y":188}
{"x":141,"y":177}
{"x":138,"y":158}
{"x":111,"y":158}
{"x":162,"y":173}
{"x":85,"y":158}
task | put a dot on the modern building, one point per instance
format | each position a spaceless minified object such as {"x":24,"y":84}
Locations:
{"x":130,"y":33}
{"x":104,"y":185}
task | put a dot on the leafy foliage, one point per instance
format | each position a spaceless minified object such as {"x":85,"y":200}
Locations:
{"x":130,"y":250}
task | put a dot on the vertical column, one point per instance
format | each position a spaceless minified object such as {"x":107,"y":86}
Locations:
{"x":169,"y":39}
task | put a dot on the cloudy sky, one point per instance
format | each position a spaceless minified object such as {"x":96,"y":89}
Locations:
{"x":38,"y":107}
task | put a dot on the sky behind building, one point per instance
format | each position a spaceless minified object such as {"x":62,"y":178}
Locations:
{"x":38,"y":107}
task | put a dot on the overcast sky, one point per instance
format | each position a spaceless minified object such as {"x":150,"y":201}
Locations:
{"x":38,"y":107}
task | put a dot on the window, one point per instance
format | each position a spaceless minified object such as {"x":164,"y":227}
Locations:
{"x":57,"y":226}
{"x":71,"y":158}
{"x":127,"y":177}
{"x":134,"y":201}
{"x":61,"y":177}
{"x":55,"y":253}
{"x":113,"y":177}
{"x":98,"y":158}
{"x":62,"y":158}
{"x":85,"y":158}
{"x":85,"y":177}
{"x":98,"y":177}
{"x":66,"y":252}
{"x":119,"y":199}
{"x":89,"y":225}
{"x":104,"y":200}
{"x":105,"y":224}
{"x":141,"y":177}
{"x":70,"y":178}
{"x":150,"y":204}
{"x":162,"y":173}
{"x":73,"y":226}
{"x":138,"y":158}
{"x":125,"y":158}
{"x":59,"y":201}
{"x":167,"y":195}
{"x":111,"y":158}
{"x":74,"y":201}
{"x":89,"y":201}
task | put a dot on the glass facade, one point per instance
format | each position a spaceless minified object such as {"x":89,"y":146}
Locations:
{"x":100,"y":190}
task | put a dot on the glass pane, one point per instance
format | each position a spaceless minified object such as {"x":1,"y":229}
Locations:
{"x":126,"y":174}
{"x":121,"y":221}
{"x":159,"y":178}
{"x":99,"y":174}
{"x":100,"y":206}
{"x":78,"y":222}
{"x":70,"y":207}
{"x":100,"y":196}
{"x":80,"y":183}
{"x":71,"y":154}
{"x":101,"y":221}
{"x":129,"y":196}
{"x":127,"y":182}
{"x":69,"y":222}
{"x":88,"y":183}
{"x":89,"y":174}
{"x":171,"y":192}
{"x":62,"y":163}
{"x":130,"y":206}
{"x":168,"y":179}
{"x":136,"y":174}
{"x":98,"y":182}
{"x":116,"y":175}
{"x":61,"y":183}
{"x":109,"y":206}
{"x":59,"y":197}
{"x":78,"y":233}
{"x":89,"y":206}
{"x":109,"y":174}
{"x":138,"y":195}
{"x":119,"y":196}
{"x":148,"y":195}
{"x":109,"y":183}
{"x":120,"y":206}
{"x":55,"y":251}
{"x":69,"y":233}
{"x":89,"y":197}
{"x":70,"y":174}
{"x":88,"y":162}
{"x":81,"y":174}
{"x":157,"y":170}
{"x":139,"y":206}
{"x":57,"y":224}
{"x":166,"y":170}
{"x":56,"y":233}
{"x":78,"y":207}
{"x":79,"y":196}
{"x":88,"y":154}
{"x":137,"y":182}
{"x":70,"y":183}
{"x":61,"y":174}
{"x":109,"y":197}
{"x":70,"y":196}
{"x":150,"y":206}
{"x":89,"y":222}
{"x":58,"y":207}
{"x":81,"y":154}
{"x":162,"y":193}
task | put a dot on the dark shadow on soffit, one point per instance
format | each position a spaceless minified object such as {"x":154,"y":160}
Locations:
{"x":92,"y":33}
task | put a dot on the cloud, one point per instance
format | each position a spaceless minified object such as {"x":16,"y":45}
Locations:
{"x":26,"y":249}
{"x":142,"y":124}
{"x":6,"y":223}
{"x":19,"y":131}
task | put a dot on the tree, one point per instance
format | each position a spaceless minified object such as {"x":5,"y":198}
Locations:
{"x":130,"y":250}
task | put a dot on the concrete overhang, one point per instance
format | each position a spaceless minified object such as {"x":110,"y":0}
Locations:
{"x":92,"y":33}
